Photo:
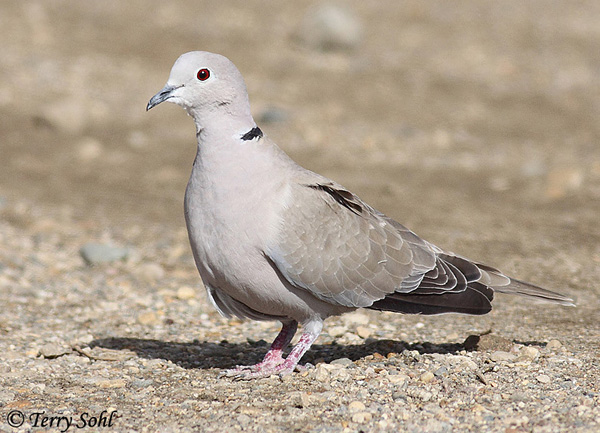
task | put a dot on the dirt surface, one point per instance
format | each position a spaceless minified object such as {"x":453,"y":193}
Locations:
{"x":473,"y":123}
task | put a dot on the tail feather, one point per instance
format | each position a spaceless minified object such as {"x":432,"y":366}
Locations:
{"x":492,"y":276}
{"x":522,"y":288}
{"x":458,"y":285}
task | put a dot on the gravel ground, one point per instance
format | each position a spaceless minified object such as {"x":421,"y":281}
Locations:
{"x":474,"y":123}
{"x":137,"y":337}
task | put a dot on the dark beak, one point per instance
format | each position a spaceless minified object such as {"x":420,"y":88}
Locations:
{"x":161,"y":96}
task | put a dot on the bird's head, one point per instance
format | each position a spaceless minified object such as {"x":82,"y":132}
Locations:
{"x":205,"y":83}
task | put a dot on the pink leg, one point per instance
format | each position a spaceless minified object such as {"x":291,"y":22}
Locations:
{"x":273,"y":363}
{"x":306,"y":340}
{"x":273,"y":357}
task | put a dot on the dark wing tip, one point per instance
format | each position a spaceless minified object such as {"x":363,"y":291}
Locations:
{"x":475,"y":299}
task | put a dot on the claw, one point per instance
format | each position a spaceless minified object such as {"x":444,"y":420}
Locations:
{"x":233,"y":372}
{"x":259,"y":371}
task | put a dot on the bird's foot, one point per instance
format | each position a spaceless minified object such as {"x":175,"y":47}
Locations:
{"x":260,"y":370}
{"x":271,"y":361}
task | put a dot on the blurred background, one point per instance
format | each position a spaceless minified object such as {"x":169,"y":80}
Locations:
{"x":475,"y":123}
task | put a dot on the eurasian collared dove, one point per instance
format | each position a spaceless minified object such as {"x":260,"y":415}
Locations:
{"x":274,"y":241}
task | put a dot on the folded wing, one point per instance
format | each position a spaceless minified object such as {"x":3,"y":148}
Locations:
{"x":346,"y":253}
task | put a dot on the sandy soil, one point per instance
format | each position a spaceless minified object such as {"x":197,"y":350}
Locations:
{"x":474,"y":123}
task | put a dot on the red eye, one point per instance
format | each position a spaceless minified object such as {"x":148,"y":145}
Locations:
{"x":203,"y":74}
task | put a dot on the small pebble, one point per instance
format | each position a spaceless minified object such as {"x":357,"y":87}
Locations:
{"x":543,"y":378}
{"x":528,"y":353}
{"x":94,"y":253}
{"x":488,"y":342}
{"x":32,"y":353}
{"x":363,"y":332}
{"x":148,"y":318}
{"x":343,"y":361}
{"x":361,"y":417}
{"x":302,"y":399}
{"x":321,"y":373}
{"x":337,"y":331}
{"x":419,"y":393}
{"x":53,"y":350}
{"x":397,"y":379}
{"x":501,"y":356}
{"x":356,"y":406}
{"x":111,"y":383}
{"x":427,"y":377}
{"x":462,"y":362}
{"x":440,"y":371}
{"x":185,"y":293}
{"x":142,"y":383}
{"x":553,"y":345}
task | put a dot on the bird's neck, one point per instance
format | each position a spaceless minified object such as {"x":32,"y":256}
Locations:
{"x":223,"y":143}
{"x":222,"y":124}
{"x":237,"y":152}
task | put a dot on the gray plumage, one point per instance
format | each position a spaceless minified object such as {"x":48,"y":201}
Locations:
{"x":274,"y":241}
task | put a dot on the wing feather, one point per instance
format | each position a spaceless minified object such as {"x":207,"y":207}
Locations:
{"x":341,"y":250}
{"x":344,"y":252}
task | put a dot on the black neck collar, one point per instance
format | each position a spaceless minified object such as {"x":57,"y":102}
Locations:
{"x":252,"y":134}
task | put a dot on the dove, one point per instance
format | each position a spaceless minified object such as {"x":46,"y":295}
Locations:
{"x":275,"y":241}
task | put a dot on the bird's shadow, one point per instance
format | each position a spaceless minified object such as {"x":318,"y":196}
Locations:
{"x":206,"y":355}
